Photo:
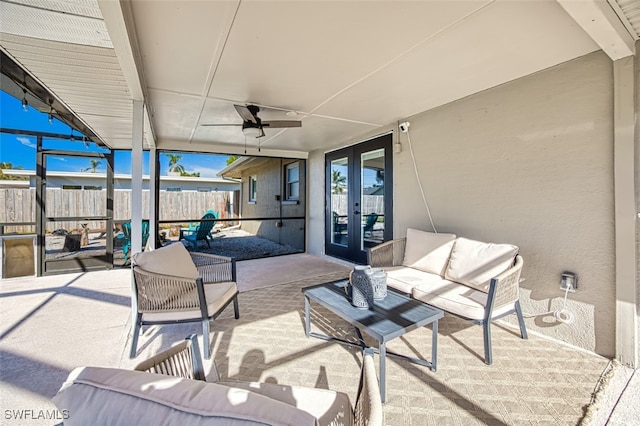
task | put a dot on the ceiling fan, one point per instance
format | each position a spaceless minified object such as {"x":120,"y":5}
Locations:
{"x":253,"y":126}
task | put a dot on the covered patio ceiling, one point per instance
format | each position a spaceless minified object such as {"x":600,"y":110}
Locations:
{"x":342,"y":68}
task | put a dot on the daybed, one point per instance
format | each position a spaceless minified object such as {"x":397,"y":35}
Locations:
{"x":474,"y":280}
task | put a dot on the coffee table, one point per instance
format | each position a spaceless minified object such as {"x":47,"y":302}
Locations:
{"x":391,"y":317}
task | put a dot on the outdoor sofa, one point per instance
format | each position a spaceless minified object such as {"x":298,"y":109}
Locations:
{"x":471,"y":279}
{"x":170,"y":389}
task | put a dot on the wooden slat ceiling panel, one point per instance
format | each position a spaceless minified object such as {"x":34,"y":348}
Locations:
{"x":43,"y":22}
{"x":87,"y":78}
{"x":631,"y":10}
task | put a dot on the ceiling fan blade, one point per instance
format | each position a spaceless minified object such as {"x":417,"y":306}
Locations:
{"x":276,"y":124}
{"x":227,"y":124}
{"x":246,"y":114}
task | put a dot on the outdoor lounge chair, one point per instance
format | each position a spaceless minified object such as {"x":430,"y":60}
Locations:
{"x":126,"y":235}
{"x":202,"y":231}
{"x":174,"y":286}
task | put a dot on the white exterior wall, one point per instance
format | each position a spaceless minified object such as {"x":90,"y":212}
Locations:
{"x":528,"y":163}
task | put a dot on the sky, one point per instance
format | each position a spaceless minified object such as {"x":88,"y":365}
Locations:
{"x":21,"y":150}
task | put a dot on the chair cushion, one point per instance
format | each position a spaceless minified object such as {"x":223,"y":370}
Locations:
{"x":173,"y":259}
{"x":428,"y":251}
{"x":405,"y":279}
{"x":329,"y":407}
{"x":217,"y":295}
{"x":110,"y":396}
{"x":474,"y":263}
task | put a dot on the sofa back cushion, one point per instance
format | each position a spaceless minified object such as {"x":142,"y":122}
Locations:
{"x":428,"y":251}
{"x":173,"y":259}
{"x":474,"y":263}
{"x":110,"y":396}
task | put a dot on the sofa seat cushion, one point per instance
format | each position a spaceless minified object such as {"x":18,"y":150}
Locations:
{"x":110,"y":396}
{"x":405,"y":279}
{"x":452,"y":297}
{"x":474,"y":263}
{"x":329,"y":407}
{"x":428,"y":251}
{"x":216,"y":294}
{"x":456,"y":298}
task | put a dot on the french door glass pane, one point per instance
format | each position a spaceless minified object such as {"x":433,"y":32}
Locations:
{"x":339,"y":210}
{"x":372,"y":198}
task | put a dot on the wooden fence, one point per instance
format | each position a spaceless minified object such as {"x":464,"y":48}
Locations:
{"x":19,"y":205}
{"x":370,"y":204}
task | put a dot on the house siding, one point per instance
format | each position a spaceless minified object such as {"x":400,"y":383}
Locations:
{"x":530,"y":163}
{"x":269,"y":184}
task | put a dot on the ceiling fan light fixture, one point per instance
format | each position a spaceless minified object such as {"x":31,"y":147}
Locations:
{"x":252,"y":132}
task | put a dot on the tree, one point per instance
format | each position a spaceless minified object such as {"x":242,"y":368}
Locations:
{"x":338,"y":182}
{"x":231,"y":159}
{"x":194,"y":174}
{"x":94,"y":166}
{"x":8,"y":166}
{"x":174,"y":163}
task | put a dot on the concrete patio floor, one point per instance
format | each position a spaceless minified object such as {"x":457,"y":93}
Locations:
{"x":51,"y":325}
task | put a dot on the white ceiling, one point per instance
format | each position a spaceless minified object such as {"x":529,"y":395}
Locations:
{"x":345,"y":68}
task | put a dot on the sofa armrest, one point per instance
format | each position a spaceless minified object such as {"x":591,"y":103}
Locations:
{"x":181,"y":360}
{"x":214,"y":269}
{"x":368,"y":407}
{"x":505,"y":288}
{"x":390,"y":253}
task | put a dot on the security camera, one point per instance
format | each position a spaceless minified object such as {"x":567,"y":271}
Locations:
{"x":404,"y":126}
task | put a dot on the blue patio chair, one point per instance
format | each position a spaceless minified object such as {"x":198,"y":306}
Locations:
{"x":368,"y":225}
{"x":202,"y":231}
{"x":194,"y":225}
{"x":126,"y":235}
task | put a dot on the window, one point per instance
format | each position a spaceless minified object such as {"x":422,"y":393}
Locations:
{"x":253,"y":188}
{"x":173,"y":189}
{"x":292,"y":182}
{"x":93,"y":188}
{"x":71,"y":186}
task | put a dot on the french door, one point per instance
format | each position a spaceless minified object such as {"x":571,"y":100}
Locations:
{"x":359,"y":197}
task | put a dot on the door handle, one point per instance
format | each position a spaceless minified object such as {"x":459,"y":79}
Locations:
{"x":356,"y":212}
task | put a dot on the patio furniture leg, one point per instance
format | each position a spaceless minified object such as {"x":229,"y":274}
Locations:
{"x":134,"y":337}
{"x":236,"y":309}
{"x":383,"y":370}
{"x":205,"y":338}
{"x":523,"y":327}
{"x":307,"y":317}
{"x":434,"y":345}
{"x":487,"y":342}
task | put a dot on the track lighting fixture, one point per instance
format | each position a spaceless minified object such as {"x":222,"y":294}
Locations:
{"x":51,"y":111}
{"x":25,"y":102}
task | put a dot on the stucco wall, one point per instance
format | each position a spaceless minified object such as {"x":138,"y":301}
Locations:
{"x":530,"y":163}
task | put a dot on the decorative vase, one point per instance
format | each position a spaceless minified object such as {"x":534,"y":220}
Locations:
{"x":361,"y":290}
{"x":379,"y":283}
